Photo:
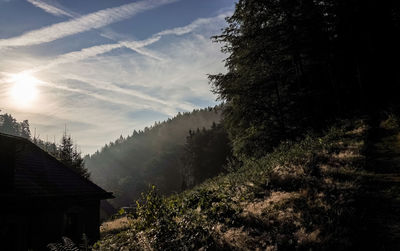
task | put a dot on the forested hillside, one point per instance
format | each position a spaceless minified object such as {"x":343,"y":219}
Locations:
{"x":152,"y":156}
{"x":308,"y":84}
{"x":301,"y":155}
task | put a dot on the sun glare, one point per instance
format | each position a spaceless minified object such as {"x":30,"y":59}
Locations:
{"x":24,"y":90}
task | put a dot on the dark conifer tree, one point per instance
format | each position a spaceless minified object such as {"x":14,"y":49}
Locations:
{"x":205,"y":155}
{"x":292,"y":65}
{"x":71,"y":157}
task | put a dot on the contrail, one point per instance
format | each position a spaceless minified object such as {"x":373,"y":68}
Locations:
{"x":50,"y":8}
{"x":137,"y":46}
{"x":84,"y":23}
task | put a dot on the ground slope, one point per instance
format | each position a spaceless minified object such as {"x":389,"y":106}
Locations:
{"x":318,"y":194}
{"x":379,"y":200}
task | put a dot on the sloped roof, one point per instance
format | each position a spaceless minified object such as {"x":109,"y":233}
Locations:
{"x":38,"y":174}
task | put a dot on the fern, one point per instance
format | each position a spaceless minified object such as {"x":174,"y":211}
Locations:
{"x":66,"y":245}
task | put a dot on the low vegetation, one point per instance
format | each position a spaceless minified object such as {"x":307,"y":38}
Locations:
{"x":300,"y":196}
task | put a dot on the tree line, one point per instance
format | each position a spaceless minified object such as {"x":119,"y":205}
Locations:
{"x":206,"y":154}
{"x":173,"y":155}
{"x":66,"y":151}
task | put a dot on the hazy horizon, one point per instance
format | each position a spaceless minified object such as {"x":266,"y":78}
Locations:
{"x":105,"y":68}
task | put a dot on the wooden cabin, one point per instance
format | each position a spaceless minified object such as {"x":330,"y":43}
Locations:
{"x":42,"y":200}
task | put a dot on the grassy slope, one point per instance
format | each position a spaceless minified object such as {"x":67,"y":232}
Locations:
{"x":378,"y":205}
{"x":300,"y":196}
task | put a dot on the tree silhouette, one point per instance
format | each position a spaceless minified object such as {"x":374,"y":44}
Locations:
{"x":69,"y":155}
{"x":9,"y":125}
{"x":293,"y":65}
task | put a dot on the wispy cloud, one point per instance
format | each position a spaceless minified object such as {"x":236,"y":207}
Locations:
{"x":138,"y":46}
{"x":84,"y":23}
{"x":131,"y":103}
{"x":101,"y":95}
{"x":192,"y":26}
{"x":76,"y":56}
{"x":167,"y":104}
{"x":50,"y":8}
{"x":162,"y":84}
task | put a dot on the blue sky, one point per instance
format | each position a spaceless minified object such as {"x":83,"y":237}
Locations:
{"x":107,"y":67}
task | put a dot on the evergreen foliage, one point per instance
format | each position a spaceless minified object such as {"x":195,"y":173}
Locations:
{"x":150,"y":156}
{"x":293,"y":65}
{"x":206,"y":153}
{"x":9,"y":125}
{"x":69,"y":155}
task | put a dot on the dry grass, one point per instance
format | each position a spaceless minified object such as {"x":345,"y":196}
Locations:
{"x":235,"y":237}
{"x":304,"y":237}
{"x":287,"y":211}
{"x":276,"y":198}
{"x":298,"y":202}
{"x":115,"y":225}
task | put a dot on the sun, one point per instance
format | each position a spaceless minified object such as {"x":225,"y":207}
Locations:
{"x":24,"y":89}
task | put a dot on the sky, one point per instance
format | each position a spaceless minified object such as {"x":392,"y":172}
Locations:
{"x":103,"y":68}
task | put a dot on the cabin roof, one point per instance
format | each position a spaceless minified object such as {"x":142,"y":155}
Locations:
{"x":38,"y":174}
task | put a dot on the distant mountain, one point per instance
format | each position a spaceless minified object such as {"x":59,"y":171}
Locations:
{"x":152,"y":156}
